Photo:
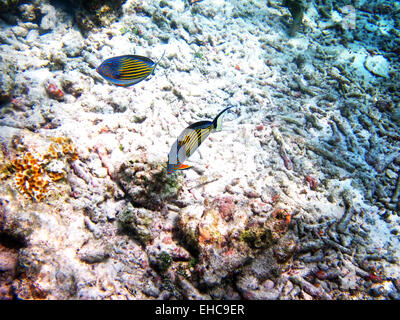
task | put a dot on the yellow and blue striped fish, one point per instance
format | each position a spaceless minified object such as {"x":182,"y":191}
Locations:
{"x":126,"y":70}
{"x":189,"y":140}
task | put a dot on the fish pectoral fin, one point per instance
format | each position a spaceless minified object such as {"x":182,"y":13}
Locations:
{"x":184,"y":167}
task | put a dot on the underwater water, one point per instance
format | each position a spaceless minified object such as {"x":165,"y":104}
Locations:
{"x":212,"y":149}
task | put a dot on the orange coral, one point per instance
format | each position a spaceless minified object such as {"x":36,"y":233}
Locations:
{"x":33,"y":173}
{"x":30,"y":178}
{"x":63,"y":146}
{"x":55,"y":176}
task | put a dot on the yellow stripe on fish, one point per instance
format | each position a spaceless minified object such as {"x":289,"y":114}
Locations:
{"x":197,"y":138}
{"x":127,"y":70}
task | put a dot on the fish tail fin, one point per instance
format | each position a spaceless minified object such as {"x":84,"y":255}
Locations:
{"x":217,"y":123}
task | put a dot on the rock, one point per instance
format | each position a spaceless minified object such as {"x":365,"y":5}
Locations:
{"x":268,"y":285}
{"x":49,"y":20}
{"x":348,"y":282}
{"x":8,"y":259}
{"x":395,"y":114}
{"x":147,"y":183}
{"x":7,"y":78}
{"x":240,"y":225}
{"x":97,"y":6}
{"x":93,"y":228}
{"x":138,"y":221}
{"x":151,"y":290}
{"x":189,"y":291}
{"x":73,"y":44}
{"x":93,"y":255}
{"x":207,"y":230}
{"x":226,"y":207}
{"x":75,"y":83}
{"x":376,"y":290}
{"x":32,"y":36}
{"x":96,"y":13}
{"x":378,"y":65}
{"x":29,"y":12}
{"x":66,"y":280}
{"x":19,"y":224}
{"x":20,"y":31}
{"x":6,"y":87}
{"x":391,"y":174}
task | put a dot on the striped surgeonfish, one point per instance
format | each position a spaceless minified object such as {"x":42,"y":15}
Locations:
{"x":189,"y":140}
{"x":127,"y":70}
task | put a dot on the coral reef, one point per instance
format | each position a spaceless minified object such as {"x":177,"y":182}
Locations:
{"x":296,"y":198}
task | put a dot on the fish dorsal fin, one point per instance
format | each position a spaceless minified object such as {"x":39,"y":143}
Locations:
{"x":156,"y":64}
{"x":200,"y":124}
{"x":218,"y":120}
